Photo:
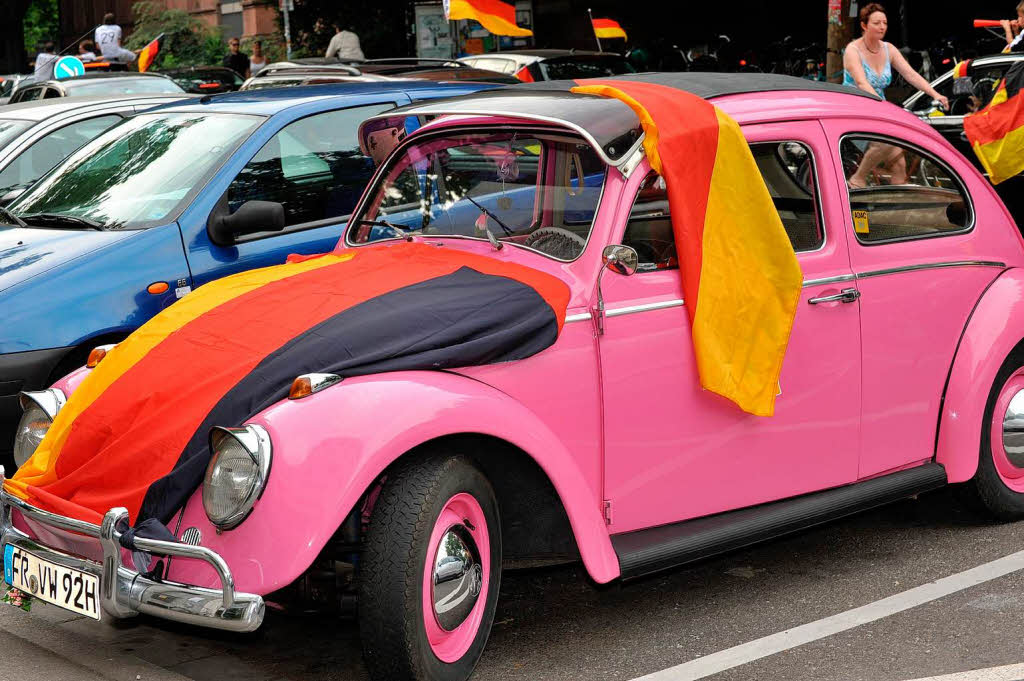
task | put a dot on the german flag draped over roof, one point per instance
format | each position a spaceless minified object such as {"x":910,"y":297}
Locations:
{"x":996,"y":133}
{"x":497,"y":17}
{"x":741,"y":279}
{"x":134,"y":433}
{"x":607,"y":28}
{"x":148,"y":53}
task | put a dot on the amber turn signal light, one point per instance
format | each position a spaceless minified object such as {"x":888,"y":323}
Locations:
{"x":301,"y":387}
{"x":95,"y":357}
{"x":157,"y":287}
{"x":308,"y":384}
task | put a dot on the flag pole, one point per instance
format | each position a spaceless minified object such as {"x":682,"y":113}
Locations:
{"x":83,"y":36}
{"x":591,"y":14}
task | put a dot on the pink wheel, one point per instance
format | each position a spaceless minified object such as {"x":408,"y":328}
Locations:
{"x":454,"y":587}
{"x":999,"y":481}
{"x":431,"y":570}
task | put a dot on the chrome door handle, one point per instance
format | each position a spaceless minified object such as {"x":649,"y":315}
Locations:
{"x":847,"y":295}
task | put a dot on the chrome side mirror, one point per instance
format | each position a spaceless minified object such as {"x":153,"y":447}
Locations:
{"x":620,"y":259}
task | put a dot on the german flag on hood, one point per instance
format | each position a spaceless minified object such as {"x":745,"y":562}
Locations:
{"x":134,"y":433}
{"x":741,"y":279}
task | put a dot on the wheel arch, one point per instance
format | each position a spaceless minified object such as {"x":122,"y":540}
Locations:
{"x":405,"y":412}
{"x":994,"y":331}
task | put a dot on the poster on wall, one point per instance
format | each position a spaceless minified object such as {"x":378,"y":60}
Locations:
{"x":835,"y":12}
{"x":434,"y":39}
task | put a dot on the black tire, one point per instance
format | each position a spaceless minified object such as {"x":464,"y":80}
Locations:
{"x":995,"y":496}
{"x":391,"y":617}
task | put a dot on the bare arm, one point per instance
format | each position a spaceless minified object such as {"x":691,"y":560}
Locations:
{"x":899,"y":62}
{"x":851,"y":62}
{"x":1007,"y":29}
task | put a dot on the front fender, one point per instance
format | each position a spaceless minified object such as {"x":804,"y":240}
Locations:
{"x":329,"y":448}
{"x":995,"y":327}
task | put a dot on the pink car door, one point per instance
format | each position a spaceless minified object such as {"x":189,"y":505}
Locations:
{"x":922,"y":257}
{"x":674,"y":451}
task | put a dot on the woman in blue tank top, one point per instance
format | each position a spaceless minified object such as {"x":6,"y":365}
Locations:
{"x":868,"y":63}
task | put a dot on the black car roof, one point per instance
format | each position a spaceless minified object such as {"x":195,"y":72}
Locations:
{"x":609,"y":124}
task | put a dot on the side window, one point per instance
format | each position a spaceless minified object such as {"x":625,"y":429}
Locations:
{"x":788,"y":172}
{"x":52,"y":93}
{"x":313,"y":167}
{"x":983,"y":83}
{"x":897,"y":192}
{"x":51,"y":149}
{"x":28,"y":94}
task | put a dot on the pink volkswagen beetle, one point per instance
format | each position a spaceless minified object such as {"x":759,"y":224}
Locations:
{"x":410,"y":489}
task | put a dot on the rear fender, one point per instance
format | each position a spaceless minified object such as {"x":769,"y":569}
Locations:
{"x":330,"y":448}
{"x":995,"y":327}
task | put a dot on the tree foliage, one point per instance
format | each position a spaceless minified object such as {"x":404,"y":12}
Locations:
{"x":378,"y":23}
{"x":187,"y":40}
{"x":40,"y":25}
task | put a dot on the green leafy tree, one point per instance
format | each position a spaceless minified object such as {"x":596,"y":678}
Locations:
{"x":41,"y":25}
{"x":187,"y":40}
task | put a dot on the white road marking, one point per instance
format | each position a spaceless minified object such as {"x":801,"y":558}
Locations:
{"x":1011,"y":672}
{"x":805,"y":633}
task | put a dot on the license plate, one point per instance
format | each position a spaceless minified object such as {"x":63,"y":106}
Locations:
{"x":65,"y":587}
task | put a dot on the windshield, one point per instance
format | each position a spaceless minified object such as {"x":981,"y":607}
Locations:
{"x":536,"y":190}
{"x":140,"y":172}
{"x":11,"y":129}
{"x":585,"y":66}
{"x":124,"y":86}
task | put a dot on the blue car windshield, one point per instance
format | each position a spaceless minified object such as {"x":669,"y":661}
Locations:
{"x":535,"y":190}
{"x":140,"y":173}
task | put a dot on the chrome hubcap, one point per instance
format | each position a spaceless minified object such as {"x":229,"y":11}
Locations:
{"x":457,"y":577}
{"x":1013,"y":430}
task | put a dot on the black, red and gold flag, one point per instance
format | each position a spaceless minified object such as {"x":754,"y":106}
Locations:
{"x":996,"y":133}
{"x":134,"y":433}
{"x":148,"y":53}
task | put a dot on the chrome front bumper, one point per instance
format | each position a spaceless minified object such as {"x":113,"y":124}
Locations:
{"x":125,"y":592}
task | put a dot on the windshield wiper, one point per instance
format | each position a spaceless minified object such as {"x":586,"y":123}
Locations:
{"x":18,"y":221}
{"x":489,"y":214}
{"x":398,"y":231}
{"x":58,"y":220}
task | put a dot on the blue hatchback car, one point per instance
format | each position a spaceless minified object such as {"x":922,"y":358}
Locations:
{"x":170,"y":199}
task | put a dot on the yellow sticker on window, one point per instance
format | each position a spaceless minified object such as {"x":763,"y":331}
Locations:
{"x":860,"y":221}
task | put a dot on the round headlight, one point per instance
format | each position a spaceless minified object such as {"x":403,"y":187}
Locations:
{"x":39,"y":409}
{"x":31,"y":430}
{"x":236,"y":475}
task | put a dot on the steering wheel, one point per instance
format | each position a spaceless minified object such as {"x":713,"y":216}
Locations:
{"x":556,"y":241}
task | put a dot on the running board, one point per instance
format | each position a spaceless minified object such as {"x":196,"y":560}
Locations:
{"x":645,"y":551}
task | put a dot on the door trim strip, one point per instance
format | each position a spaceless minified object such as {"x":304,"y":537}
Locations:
{"x":905,"y":268}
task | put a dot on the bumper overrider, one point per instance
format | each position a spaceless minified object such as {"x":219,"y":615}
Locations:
{"x":125,"y":592}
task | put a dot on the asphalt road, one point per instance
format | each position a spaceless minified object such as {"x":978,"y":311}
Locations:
{"x":554,"y":623}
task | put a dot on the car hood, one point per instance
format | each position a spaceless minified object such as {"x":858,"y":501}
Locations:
{"x":25,"y":253}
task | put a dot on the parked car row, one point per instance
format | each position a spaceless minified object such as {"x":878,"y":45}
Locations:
{"x":479,"y":351}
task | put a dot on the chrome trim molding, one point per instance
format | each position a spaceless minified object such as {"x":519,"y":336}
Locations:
{"x":581,"y":317}
{"x":50,"y":400}
{"x":906,"y":268}
{"x":125,"y":592}
{"x":829,"y":280}
{"x":931,"y":266}
{"x":646,"y":307}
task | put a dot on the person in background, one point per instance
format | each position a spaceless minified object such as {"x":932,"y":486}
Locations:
{"x":45,"y":61}
{"x":258,"y":60}
{"x":867,"y":64}
{"x":108,"y":37}
{"x":87,"y":50}
{"x":1014,"y":30}
{"x":235,"y":59}
{"x":344,"y":45}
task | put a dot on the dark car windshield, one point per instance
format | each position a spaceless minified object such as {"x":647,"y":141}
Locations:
{"x":11,"y":129}
{"x":140,"y":172}
{"x":123,"y":86}
{"x":585,"y":66}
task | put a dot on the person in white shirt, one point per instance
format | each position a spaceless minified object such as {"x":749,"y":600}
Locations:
{"x":45,"y":61}
{"x":345,"y":46}
{"x":108,"y":37}
{"x":86,"y":51}
{"x":258,"y":60}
